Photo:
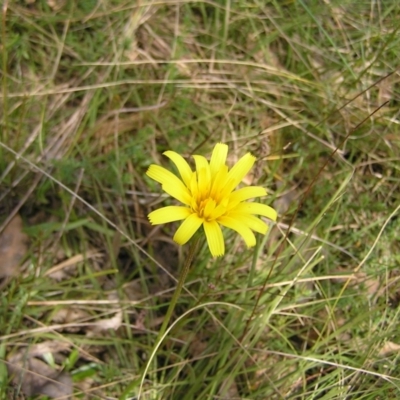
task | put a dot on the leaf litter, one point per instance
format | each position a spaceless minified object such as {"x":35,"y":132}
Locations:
{"x":34,"y":376}
{"x":13,"y":247}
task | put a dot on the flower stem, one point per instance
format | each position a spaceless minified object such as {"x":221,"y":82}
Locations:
{"x":181,"y":281}
{"x":164,"y":326}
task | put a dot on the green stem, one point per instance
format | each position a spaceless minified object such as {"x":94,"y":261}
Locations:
{"x":181,"y":281}
{"x":172,"y":304}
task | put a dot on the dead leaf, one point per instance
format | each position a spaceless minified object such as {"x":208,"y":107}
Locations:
{"x":50,"y":346}
{"x":133,"y":290}
{"x":197,"y":347}
{"x":360,"y":278}
{"x":385,"y":87}
{"x":56,"y":5}
{"x":13,"y":246}
{"x":285,"y":200}
{"x":388,"y":349}
{"x":106,"y":128}
{"x":67,"y":268}
{"x":84,"y":321}
{"x":109,"y":323}
{"x":371,"y":285}
{"x":71,"y":316}
{"x":229,"y":390}
{"x":35,"y":377}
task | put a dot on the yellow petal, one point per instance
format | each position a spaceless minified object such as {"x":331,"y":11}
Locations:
{"x":219,"y":182}
{"x":178,"y":191}
{"x":218,"y":158}
{"x":240,"y":228}
{"x":170,"y":183}
{"x":215,"y":239}
{"x":203,"y":183}
{"x":160,"y":174}
{"x":246,"y":193}
{"x":194,"y":189}
{"x":252,"y":222}
{"x":183,"y":167}
{"x":201,"y":162}
{"x":168,"y":214}
{"x":218,"y":211}
{"x":187,"y":229}
{"x":209,"y":208}
{"x":256,"y":208}
{"x":240,"y":169}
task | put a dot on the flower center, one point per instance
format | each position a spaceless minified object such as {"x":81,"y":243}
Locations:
{"x":205,"y":208}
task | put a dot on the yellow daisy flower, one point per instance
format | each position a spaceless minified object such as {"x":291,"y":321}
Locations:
{"x":210,"y":199}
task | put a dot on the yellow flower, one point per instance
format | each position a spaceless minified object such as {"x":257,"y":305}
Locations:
{"x":210,"y":199}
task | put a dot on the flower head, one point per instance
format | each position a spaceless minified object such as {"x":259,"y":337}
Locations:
{"x":210,"y":199}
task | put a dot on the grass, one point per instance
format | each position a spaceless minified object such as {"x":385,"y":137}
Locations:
{"x":94,"y":92}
